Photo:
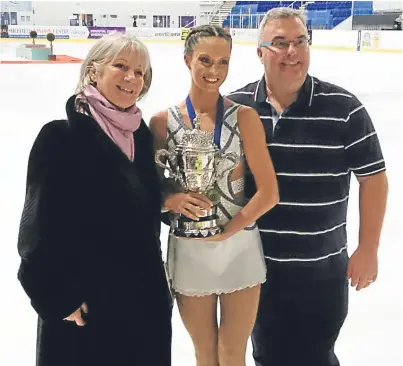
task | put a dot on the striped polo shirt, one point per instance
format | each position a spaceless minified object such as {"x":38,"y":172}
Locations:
{"x":316,"y":144}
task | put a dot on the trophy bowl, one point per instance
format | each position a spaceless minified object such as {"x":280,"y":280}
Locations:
{"x":196,"y":164}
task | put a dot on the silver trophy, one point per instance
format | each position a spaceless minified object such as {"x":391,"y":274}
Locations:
{"x":197,"y":164}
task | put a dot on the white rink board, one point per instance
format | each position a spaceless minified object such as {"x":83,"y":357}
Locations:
{"x":374,"y":41}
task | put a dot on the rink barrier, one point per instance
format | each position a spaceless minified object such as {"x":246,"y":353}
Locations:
{"x":339,"y":40}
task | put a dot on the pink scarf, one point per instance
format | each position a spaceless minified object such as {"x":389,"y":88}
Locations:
{"x":118,"y":125}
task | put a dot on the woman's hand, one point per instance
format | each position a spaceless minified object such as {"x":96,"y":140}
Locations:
{"x":76,"y":316}
{"x":190,"y":204}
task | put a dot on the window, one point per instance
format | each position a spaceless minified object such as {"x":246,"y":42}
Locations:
{"x":187,"y":21}
{"x":74,"y":20}
{"x":161,"y":21}
{"x":139,"y":20}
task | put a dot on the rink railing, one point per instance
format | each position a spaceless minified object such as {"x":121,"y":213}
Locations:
{"x":351,"y":40}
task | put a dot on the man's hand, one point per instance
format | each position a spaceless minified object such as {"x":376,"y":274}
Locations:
{"x":363,"y":267}
{"x":76,"y":316}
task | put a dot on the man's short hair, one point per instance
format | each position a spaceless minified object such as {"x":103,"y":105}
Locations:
{"x":280,"y":13}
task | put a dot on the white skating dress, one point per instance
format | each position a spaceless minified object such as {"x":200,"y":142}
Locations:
{"x":201,"y":267}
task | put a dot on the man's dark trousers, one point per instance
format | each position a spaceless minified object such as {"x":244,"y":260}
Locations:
{"x":299,"y":320}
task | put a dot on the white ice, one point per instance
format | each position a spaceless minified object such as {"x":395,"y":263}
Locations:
{"x":32,"y":95}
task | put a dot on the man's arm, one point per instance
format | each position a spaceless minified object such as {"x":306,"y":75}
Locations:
{"x":364,"y":158}
{"x":372,"y":203}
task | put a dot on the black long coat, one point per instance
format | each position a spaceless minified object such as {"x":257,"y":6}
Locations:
{"x":90,"y":233}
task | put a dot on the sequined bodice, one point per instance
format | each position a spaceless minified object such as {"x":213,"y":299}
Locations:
{"x":231,"y":191}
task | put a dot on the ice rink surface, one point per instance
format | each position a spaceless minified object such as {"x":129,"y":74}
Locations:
{"x":32,"y":95}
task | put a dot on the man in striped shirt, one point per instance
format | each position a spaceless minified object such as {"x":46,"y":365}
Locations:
{"x":318,"y":135}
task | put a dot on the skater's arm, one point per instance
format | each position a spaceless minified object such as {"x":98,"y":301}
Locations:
{"x":261,"y":166}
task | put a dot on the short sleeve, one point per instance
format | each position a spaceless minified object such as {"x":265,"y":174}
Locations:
{"x":362,"y":146}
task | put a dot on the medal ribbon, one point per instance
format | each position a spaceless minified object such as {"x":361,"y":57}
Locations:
{"x":219,"y":117}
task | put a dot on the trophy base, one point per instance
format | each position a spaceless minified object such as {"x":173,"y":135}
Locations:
{"x":196,"y":233}
{"x":204,"y":228}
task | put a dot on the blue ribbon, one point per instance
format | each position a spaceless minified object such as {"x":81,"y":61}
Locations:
{"x":219,"y":116}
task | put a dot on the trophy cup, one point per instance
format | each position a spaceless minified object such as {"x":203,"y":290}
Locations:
{"x":196,"y":164}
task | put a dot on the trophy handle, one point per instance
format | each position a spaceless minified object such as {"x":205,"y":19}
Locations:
{"x":233,"y":158}
{"x":165,"y":153}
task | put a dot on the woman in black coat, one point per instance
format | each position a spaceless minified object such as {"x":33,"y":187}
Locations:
{"x":89,"y":244}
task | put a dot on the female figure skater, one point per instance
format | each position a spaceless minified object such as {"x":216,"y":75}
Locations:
{"x":229,"y":266}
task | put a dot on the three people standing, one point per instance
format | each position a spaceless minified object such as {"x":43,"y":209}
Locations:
{"x":89,"y":237}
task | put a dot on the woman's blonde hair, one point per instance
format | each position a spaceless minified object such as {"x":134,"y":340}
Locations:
{"x":105,"y":50}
